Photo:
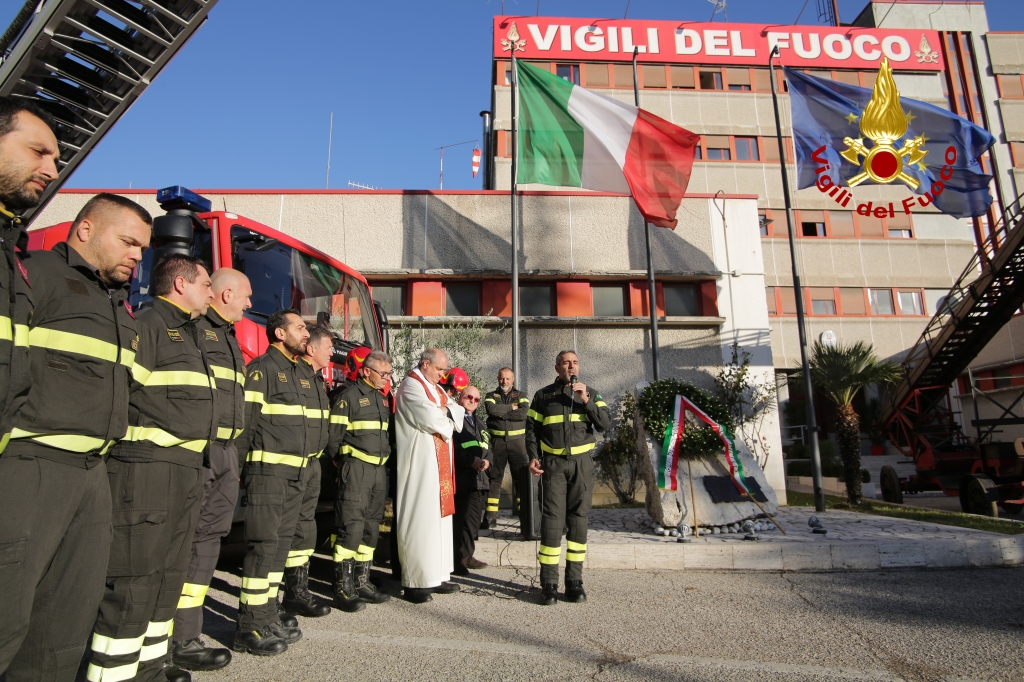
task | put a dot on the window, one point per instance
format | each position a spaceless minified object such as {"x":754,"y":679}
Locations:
{"x":682,"y":77}
{"x":746,"y":149}
{"x":870,"y":226}
{"x":762,"y":80}
{"x":910,"y":303}
{"x":812,"y":223}
{"x":569,"y":72}
{"x":596,"y":75}
{"x":698,"y":153}
{"x":653,"y":76}
{"x":718,"y":148}
{"x":462,"y":300}
{"x":823,"y":301}
{"x":284,"y":277}
{"x":739,"y":79}
{"x":622,"y":75}
{"x":1017,"y":152}
{"x":788,"y":300}
{"x":899,"y":226}
{"x":1010,"y":87}
{"x":881,"y":301}
{"x":840,"y":224}
{"x":391,"y":297}
{"x":681,"y":300}
{"x":609,"y":301}
{"x":1002,"y":377}
{"x":504,"y":76}
{"x":535,"y":300}
{"x":771,"y":149}
{"x":711,"y":80}
{"x":770,"y":296}
{"x":852,"y":301}
{"x":763,"y":221}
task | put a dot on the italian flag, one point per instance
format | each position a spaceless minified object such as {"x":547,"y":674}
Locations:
{"x":572,"y":137}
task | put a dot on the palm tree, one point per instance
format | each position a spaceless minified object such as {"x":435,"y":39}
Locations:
{"x":839,"y":372}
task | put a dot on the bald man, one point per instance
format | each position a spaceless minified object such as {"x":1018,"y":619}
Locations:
{"x":55,"y":501}
{"x":231,"y":292}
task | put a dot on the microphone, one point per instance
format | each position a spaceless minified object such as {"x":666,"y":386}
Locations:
{"x":572,"y":381}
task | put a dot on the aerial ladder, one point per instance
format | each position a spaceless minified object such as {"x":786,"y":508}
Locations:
{"x":87,"y":61}
{"x":919,"y":416}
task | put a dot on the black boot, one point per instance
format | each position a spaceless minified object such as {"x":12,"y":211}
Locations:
{"x":261,"y":642}
{"x":492,"y":520}
{"x":346,"y":594}
{"x":287,"y":619}
{"x":418,"y":595}
{"x":574,"y":592}
{"x":367,"y":590}
{"x":549,"y":594}
{"x":446,"y":587}
{"x":192,"y":655}
{"x":297,"y":597}
{"x":288,"y":634}
{"x":173,"y":673}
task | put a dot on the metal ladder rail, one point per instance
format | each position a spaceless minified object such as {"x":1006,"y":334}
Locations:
{"x":87,"y":61}
{"x":963,"y":325}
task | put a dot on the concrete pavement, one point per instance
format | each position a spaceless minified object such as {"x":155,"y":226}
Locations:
{"x":662,"y":625}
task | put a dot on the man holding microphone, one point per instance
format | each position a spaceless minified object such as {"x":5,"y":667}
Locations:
{"x":560,"y":441}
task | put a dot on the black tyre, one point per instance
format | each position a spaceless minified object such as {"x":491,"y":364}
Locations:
{"x":978,"y":495}
{"x":1013,"y":509}
{"x":890,"y":480}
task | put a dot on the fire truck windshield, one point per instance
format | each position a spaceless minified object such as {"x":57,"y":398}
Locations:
{"x":284,"y":277}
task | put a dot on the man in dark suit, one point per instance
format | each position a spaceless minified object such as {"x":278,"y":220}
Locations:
{"x":472,"y":460}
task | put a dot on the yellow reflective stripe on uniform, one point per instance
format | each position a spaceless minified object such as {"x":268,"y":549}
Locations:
{"x":254,"y":584}
{"x":159,"y":628}
{"x":140,"y":373}
{"x":67,"y":342}
{"x":151,"y":652}
{"x":364,"y":553}
{"x":492,"y":504}
{"x":227,"y":373}
{"x":553,"y":419}
{"x":375,"y":426}
{"x":163,"y":438}
{"x":575,"y":551}
{"x":549,"y":555}
{"x":6,"y":329}
{"x":21,"y":335}
{"x":575,"y":450}
{"x":314,"y":455}
{"x":577,"y":417}
{"x":517,"y":432}
{"x":276,"y":408}
{"x":316,"y":413}
{"x":69,"y":442}
{"x":347,"y":449}
{"x":192,"y":595}
{"x":179,"y":378}
{"x":341,"y":553}
{"x":472,"y":444}
{"x":110,"y":646}
{"x":276,"y":458}
{"x":120,"y":673}
{"x":489,"y":400}
{"x":253,"y":599}
{"x":275,"y":584}
{"x":600,"y":403}
{"x":297,"y":557}
{"x":254,"y":397}
{"x":339,"y":419}
{"x":524,"y":400}
{"x":254,"y":591}
{"x":535,"y":416}
{"x":225,"y":433}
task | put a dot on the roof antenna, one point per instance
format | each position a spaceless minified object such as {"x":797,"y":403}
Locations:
{"x":719,"y":7}
{"x":626,"y":13}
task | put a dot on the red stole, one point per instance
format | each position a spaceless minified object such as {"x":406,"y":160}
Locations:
{"x":445,"y":475}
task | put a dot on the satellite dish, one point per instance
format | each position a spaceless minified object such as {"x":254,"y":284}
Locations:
{"x":828,"y":338}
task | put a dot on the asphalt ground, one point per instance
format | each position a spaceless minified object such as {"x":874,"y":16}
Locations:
{"x":660,"y":625}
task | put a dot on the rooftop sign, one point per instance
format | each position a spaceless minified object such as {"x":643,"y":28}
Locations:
{"x":846,"y":47}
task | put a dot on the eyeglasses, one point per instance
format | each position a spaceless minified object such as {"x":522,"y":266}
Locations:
{"x":383,"y":375}
{"x":471,"y":399}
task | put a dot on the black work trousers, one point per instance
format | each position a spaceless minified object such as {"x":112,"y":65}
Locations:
{"x":271,"y":513}
{"x":567,"y":492}
{"x":304,"y":539}
{"x":469,"y":512}
{"x":359,"y":509}
{"x":54,"y":541}
{"x":513,"y":453}
{"x":220,"y":496}
{"x":155,"y":510}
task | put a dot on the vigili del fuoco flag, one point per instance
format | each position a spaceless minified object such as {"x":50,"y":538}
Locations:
{"x":572,"y":137}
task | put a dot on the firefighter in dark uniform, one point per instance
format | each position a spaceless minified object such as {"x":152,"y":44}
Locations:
{"x":506,"y":420}
{"x":298,"y":599}
{"x":360,"y":441}
{"x":472,"y":460}
{"x":275,"y":441}
{"x":560,"y":441}
{"x":54,"y":497}
{"x":155,"y":477}
{"x":231,"y":292}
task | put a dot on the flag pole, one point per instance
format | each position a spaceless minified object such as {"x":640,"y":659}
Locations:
{"x":515,"y":229}
{"x":812,"y":421}
{"x":652,"y":299}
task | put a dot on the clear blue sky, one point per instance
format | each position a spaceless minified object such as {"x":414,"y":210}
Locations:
{"x":246,"y":103}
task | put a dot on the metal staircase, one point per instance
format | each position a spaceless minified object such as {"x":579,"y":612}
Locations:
{"x":989,"y":291}
{"x":87,"y":61}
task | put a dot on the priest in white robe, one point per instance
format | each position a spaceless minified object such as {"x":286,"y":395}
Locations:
{"x":425,"y":420}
